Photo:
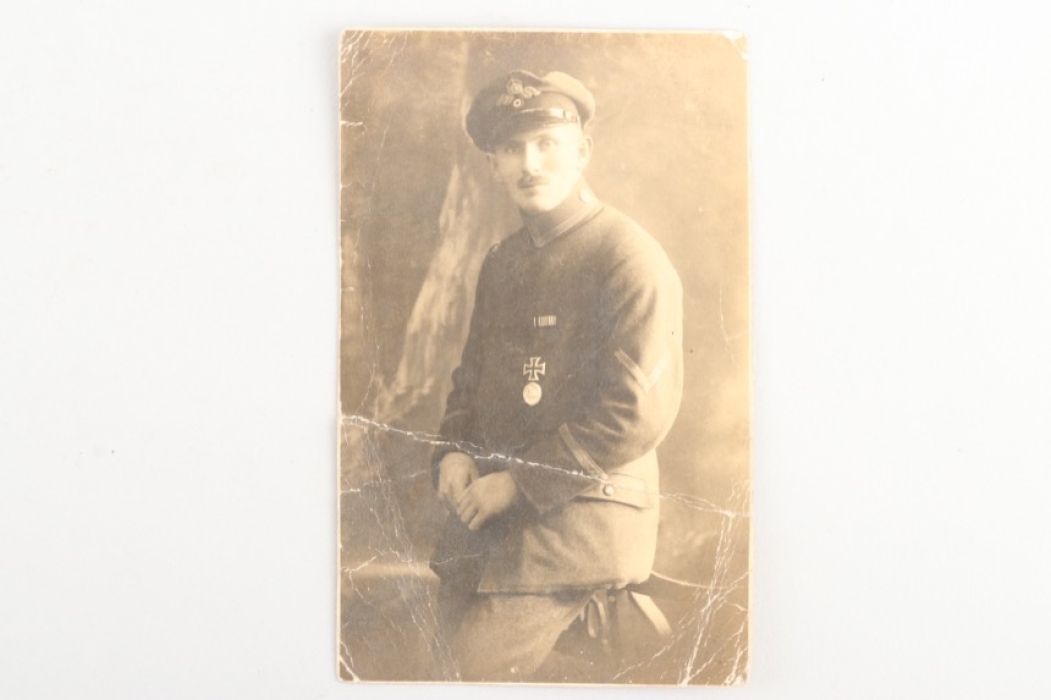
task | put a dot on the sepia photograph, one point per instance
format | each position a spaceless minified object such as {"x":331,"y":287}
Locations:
{"x":545,"y":368}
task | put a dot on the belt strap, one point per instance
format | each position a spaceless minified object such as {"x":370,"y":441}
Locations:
{"x":621,"y":488}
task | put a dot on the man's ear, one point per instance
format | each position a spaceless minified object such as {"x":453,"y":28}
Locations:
{"x":491,"y":157}
{"x":584,"y":152}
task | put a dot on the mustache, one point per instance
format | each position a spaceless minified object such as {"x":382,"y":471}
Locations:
{"x":533,"y":181}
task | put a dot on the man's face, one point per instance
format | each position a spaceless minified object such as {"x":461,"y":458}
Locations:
{"x":539,"y":167}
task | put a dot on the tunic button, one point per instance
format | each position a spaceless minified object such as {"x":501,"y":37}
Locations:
{"x":608,"y":489}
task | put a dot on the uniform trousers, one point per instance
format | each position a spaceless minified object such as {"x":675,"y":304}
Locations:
{"x":509,"y":637}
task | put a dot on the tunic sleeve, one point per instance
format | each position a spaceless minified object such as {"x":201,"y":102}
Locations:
{"x":637,"y":384}
{"x":459,"y":405}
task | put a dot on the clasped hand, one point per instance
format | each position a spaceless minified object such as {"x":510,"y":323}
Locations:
{"x":475,"y":499}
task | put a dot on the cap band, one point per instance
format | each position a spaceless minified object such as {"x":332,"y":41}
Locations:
{"x":563,"y":114}
{"x":527,"y":118}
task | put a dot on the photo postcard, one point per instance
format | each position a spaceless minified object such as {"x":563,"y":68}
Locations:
{"x":545,"y":357}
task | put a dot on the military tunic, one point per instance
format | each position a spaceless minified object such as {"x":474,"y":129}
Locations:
{"x":570,"y":377}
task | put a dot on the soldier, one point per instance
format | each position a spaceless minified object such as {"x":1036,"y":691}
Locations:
{"x":570,"y":377}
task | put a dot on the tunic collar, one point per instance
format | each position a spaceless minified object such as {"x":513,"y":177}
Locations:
{"x":549,"y":225}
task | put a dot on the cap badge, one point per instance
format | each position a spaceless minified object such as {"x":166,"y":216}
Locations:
{"x":515,"y":93}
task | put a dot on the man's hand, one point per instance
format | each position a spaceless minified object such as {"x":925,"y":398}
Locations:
{"x":456,"y":472}
{"x":486,"y":498}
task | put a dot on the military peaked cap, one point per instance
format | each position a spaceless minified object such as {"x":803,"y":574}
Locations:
{"x":521,"y":100}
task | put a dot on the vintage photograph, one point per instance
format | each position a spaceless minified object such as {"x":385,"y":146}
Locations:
{"x":545,"y":383}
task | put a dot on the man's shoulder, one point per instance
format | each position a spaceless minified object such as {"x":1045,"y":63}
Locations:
{"x":504,"y":250}
{"x":625,"y":240}
{"x":507,"y":244}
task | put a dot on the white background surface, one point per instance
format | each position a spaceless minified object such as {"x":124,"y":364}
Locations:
{"x":168,"y":301}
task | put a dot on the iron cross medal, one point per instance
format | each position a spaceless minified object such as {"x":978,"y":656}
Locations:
{"x":533,"y":370}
